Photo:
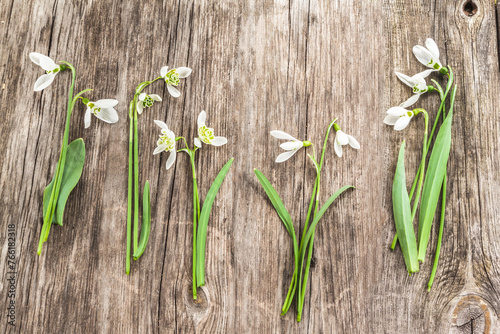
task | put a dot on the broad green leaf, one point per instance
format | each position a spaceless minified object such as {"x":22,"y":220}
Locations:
{"x":201,"y":237}
{"x":75,"y":158}
{"x":402,"y":215}
{"x":146,"y":222}
{"x":276,"y":201}
{"x":436,"y":171}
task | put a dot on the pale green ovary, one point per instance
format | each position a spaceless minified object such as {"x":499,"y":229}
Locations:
{"x":206,"y":134}
{"x":172,"y":77}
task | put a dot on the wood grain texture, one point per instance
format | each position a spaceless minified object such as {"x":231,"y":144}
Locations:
{"x":257,"y":66}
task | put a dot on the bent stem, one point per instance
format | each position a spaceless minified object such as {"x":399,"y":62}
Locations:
{"x":47,"y":221}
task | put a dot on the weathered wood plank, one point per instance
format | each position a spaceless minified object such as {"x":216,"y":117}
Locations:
{"x":257,"y":66}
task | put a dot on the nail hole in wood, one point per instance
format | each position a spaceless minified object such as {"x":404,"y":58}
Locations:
{"x":470,"y":8}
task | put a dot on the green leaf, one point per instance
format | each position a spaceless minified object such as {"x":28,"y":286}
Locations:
{"x":317,"y":217}
{"x":436,"y":171}
{"x":276,"y":201}
{"x":203,"y":223}
{"x":75,"y":158}
{"x":402,"y":215}
{"x":146,"y":222}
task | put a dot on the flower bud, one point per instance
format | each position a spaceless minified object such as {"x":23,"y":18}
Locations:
{"x":306,"y":143}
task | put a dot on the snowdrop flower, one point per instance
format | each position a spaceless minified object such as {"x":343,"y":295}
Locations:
{"x":146,"y":101}
{"x":417,"y":84}
{"x":166,"y":143}
{"x":172,"y":78}
{"x":291,"y":147}
{"x":341,"y":139}
{"x":429,"y":56}
{"x":399,"y":117}
{"x":206,"y":134}
{"x":102,"y":109}
{"x":50,"y":67}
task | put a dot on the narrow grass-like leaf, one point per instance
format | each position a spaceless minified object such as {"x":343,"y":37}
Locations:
{"x":287,"y":221}
{"x":434,"y":181}
{"x":146,"y":222}
{"x":276,"y":201}
{"x":309,"y":235}
{"x":203,"y":223}
{"x":402,"y":215}
{"x":75,"y":158}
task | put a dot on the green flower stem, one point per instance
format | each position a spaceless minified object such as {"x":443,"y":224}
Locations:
{"x":196,"y":216}
{"x":129,"y":201}
{"x":422,"y":173}
{"x":303,"y":284}
{"x":134,"y":166}
{"x":59,"y":169}
{"x":440,"y":110}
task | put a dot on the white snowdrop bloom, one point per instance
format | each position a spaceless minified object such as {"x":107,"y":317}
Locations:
{"x":341,"y":139}
{"x":50,"y":67}
{"x":429,"y":55}
{"x":206,"y":134}
{"x":398,"y":117}
{"x":102,"y":109}
{"x":166,"y":143}
{"x":146,"y":101}
{"x":172,"y":77}
{"x":291,"y":146}
{"x":417,"y":84}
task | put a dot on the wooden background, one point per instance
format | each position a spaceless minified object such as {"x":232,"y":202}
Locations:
{"x":257,"y":66}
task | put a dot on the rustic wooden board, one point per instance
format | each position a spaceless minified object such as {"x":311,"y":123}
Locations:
{"x":257,"y":66}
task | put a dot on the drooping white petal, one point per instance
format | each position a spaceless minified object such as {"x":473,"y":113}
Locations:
{"x":433,"y":48}
{"x":282,"y":135}
{"x":47,"y":64}
{"x":425,"y":74}
{"x":201,"y":118}
{"x":285,"y":156}
{"x":411,"y":101}
{"x":391,"y":119}
{"x":409,"y":81}
{"x":292,"y":145}
{"x":338,"y":148}
{"x":423,"y":55}
{"x":173,"y":91}
{"x":161,"y":125}
{"x":219,"y":141}
{"x":396,"y":111}
{"x":164,"y":71}
{"x":183,"y":72}
{"x":171,"y":158}
{"x":108,"y":115}
{"x":155,"y":97}
{"x":142,"y":96}
{"x":88,"y":117}
{"x":341,"y":137}
{"x":160,"y":148}
{"x":402,"y":123}
{"x":353,"y":142}
{"x":35,"y":57}
{"x":140,"y":107}
{"x":43,"y":82}
{"x":197,"y":142}
{"x":106,"y":103}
